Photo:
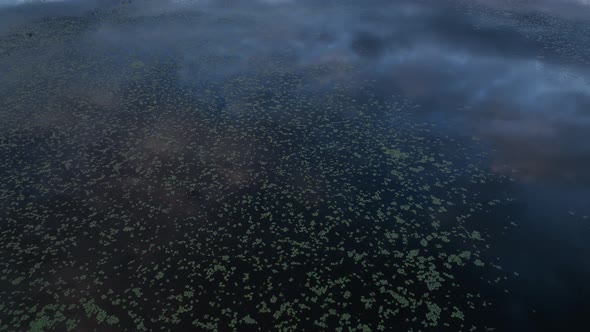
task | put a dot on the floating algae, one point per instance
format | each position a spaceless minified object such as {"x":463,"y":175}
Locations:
{"x":286,"y":197}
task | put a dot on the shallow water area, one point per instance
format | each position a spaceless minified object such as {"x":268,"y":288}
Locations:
{"x":294,"y":165}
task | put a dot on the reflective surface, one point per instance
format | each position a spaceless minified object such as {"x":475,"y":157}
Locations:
{"x":294,"y":165}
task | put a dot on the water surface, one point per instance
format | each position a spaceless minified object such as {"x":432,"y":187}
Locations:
{"x":294,"y":165}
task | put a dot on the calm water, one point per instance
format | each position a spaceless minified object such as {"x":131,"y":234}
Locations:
{"x":294,"y":165}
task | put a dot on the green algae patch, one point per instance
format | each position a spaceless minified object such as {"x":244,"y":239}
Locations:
{"x":148,"y":199}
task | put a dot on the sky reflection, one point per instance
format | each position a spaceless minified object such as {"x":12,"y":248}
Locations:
{"x":512,"y":75}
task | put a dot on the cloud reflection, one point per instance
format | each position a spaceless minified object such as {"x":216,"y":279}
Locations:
{"x":508,"y":71}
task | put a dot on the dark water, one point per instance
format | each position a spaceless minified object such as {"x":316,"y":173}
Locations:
{"x":294,"y":165}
